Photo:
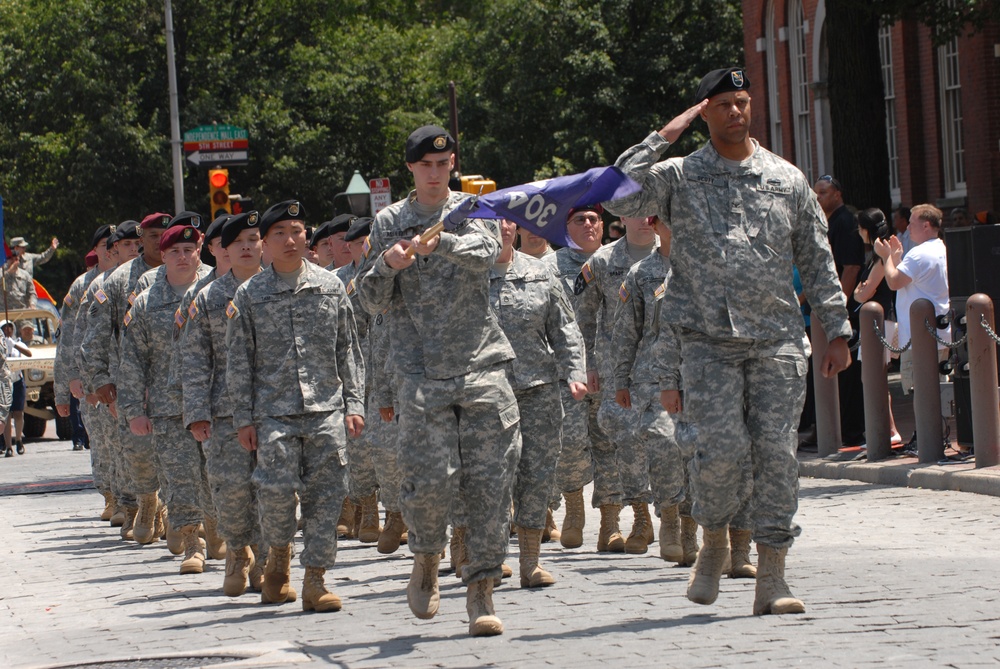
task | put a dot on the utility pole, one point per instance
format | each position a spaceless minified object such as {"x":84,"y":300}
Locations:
{"x":176,"y":145}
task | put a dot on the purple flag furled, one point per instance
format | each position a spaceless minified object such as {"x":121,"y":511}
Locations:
{"x":542,"y":206}
{"x":3,"y":242}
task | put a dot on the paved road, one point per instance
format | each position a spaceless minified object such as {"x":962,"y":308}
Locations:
{"x":892,"y":577}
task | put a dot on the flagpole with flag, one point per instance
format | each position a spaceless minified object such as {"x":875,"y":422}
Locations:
{"x":3,"y":263}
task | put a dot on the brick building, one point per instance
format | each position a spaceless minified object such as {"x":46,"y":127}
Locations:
{"x":942,"y":103}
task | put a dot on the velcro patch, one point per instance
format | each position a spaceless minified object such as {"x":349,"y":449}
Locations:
{"x":100,"y":296}
{"x":231,"y":310}
{"x":128,"y":318}
{"x":179,"y":318}
{"x":623,"y":293}
{"x":192,"y":311}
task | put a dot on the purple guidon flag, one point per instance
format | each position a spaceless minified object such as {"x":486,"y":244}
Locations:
{"x":542,"y":206}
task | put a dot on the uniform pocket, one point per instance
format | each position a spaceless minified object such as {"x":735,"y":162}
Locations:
{"x":509,"y":416}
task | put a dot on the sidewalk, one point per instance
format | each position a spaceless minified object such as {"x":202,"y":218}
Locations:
{"x":906,"y":471}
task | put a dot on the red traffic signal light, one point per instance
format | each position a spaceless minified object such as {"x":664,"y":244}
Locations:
{"x":218,"y":192}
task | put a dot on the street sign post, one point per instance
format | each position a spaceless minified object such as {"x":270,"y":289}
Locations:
{"x":381,"y":195}
{"x":217,"y":145}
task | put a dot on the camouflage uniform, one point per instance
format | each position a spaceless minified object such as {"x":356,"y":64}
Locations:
{"x":20,"y":290}
{"x":742,"y":353}
{"x":146,"y":387}
{"x":29,"y":260}
{"x":99,"y":359}
{"x":206,"y":398}
{"x":636,"y":369}
{"x":361,"y":452}
{"x":600,"y":282}
{"x":458,"y":418}
{"x":294,"y":371}
{"x":584,"y":441}
{"x":102,"y":427}
{"x":381,"y":394}
{"x":535,"y":314}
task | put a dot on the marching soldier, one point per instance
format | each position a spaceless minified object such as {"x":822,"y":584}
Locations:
{"x":295,"y":376}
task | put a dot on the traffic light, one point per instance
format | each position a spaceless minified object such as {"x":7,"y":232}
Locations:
{"x":474,"y":182}
{"x":240,"y":204}
{"x":218,"y":192}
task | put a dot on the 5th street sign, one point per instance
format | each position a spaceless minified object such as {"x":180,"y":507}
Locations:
{"x":217,"y":145}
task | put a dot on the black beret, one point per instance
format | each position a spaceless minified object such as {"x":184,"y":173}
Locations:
{"x":191,"y":218}
{"x":427,"y":139}
{"x":722,"y":81}
{"x":341,"y":223}
{"x":361,"y":227}
{"x":215,"y":227}
{"x":289,"y":210}
{"x":232,"y":228}
{"x":103,"y":232}
{"x":126,"y":230}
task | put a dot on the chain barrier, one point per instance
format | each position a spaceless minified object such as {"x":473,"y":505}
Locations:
{"x":989,"y":330}
{"x":889,"y":347}
{"x":946,"y":344}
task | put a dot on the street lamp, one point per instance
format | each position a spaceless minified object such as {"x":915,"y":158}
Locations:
{"x":357,"y":195}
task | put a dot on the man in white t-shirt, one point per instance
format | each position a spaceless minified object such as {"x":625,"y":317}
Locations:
{"x":922,"y":273}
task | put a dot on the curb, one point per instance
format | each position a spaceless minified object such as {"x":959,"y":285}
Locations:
{"x":909,"y":473}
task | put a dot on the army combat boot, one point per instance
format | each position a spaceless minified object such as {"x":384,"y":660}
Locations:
{"x":369,"y":530}
{"x":572,"y":529}
{"x":773,"y":595}
{"x":642,"y":530}
{"x":238,"y":564}
{"x":346,"y":522}
{"x":194,"y":551}
{"x":315,"y":596}
{"x":277,"y":573}
{"x":422,"y":591}
{"x":392,"y":534}
{"x":689,"y":541}
{"x":215,"y":544}
{"x":551,"y":531}
{"x":483,"y":619}
{"x":703,"y":585}
{"x":109,"y":506}
{"x":741,"y":567}
{"x":175,"y":540}
{"x":118,"y":517}
{"x":126,"y":531}
{"x":610,"y":539}
{"x":670,"y":534}
{"x":255,"y":577}
{"x":532,"y":575}
{"x":145,"y":518}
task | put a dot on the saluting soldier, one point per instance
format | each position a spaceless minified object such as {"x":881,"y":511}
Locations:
{"x":28,"y":261}
{"x":740,"y":217}
{"x":295,"y":376}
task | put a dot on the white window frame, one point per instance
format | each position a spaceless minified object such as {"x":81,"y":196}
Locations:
{"x":950,"y":100}
{"x":891,"y":127}
{"x":798,"y":29}
{"x":773,"y":97}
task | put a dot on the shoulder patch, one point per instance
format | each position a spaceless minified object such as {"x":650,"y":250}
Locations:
{"x":623,"y":293}
{"x":131,"y":298}
{"x":587,"y":273}
{"x":579,"y":285}
{"x":231,"y":310}
{"x":179,"y":318}
{"x":366,"y":248}
{"x":660,"y":290}
{"x":68,"y":300}
{"x":100,"y":296}
{"x":350,"y":287}
{"x":192,"y":311}
{"x":128,"y":318}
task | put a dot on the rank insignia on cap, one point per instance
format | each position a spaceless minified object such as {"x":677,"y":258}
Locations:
{"x":187,"y":233}
{"x":253,"y":218}
{"x":293,"y":209}
{"x":192,"y":311}
{"x":660,"y":290}
{"x":623,"y":293}
{"x":440,"y":142}
{"x":131,"y":298}
{"x":587,"y":273}
{"x":350,"y":287}
{"x":737,"y":78}
{"x":366,"y":248}
{"x":100,"y":296}
{"x":138,"y":231}
{"x":178,"y":318}
{"x":128,"y":318}
{"x":231,"y":310}
{"x":195,"y":223}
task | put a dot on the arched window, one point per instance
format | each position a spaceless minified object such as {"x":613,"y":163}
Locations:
{"x":798,"y":29}
{"x":773,"y":99}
